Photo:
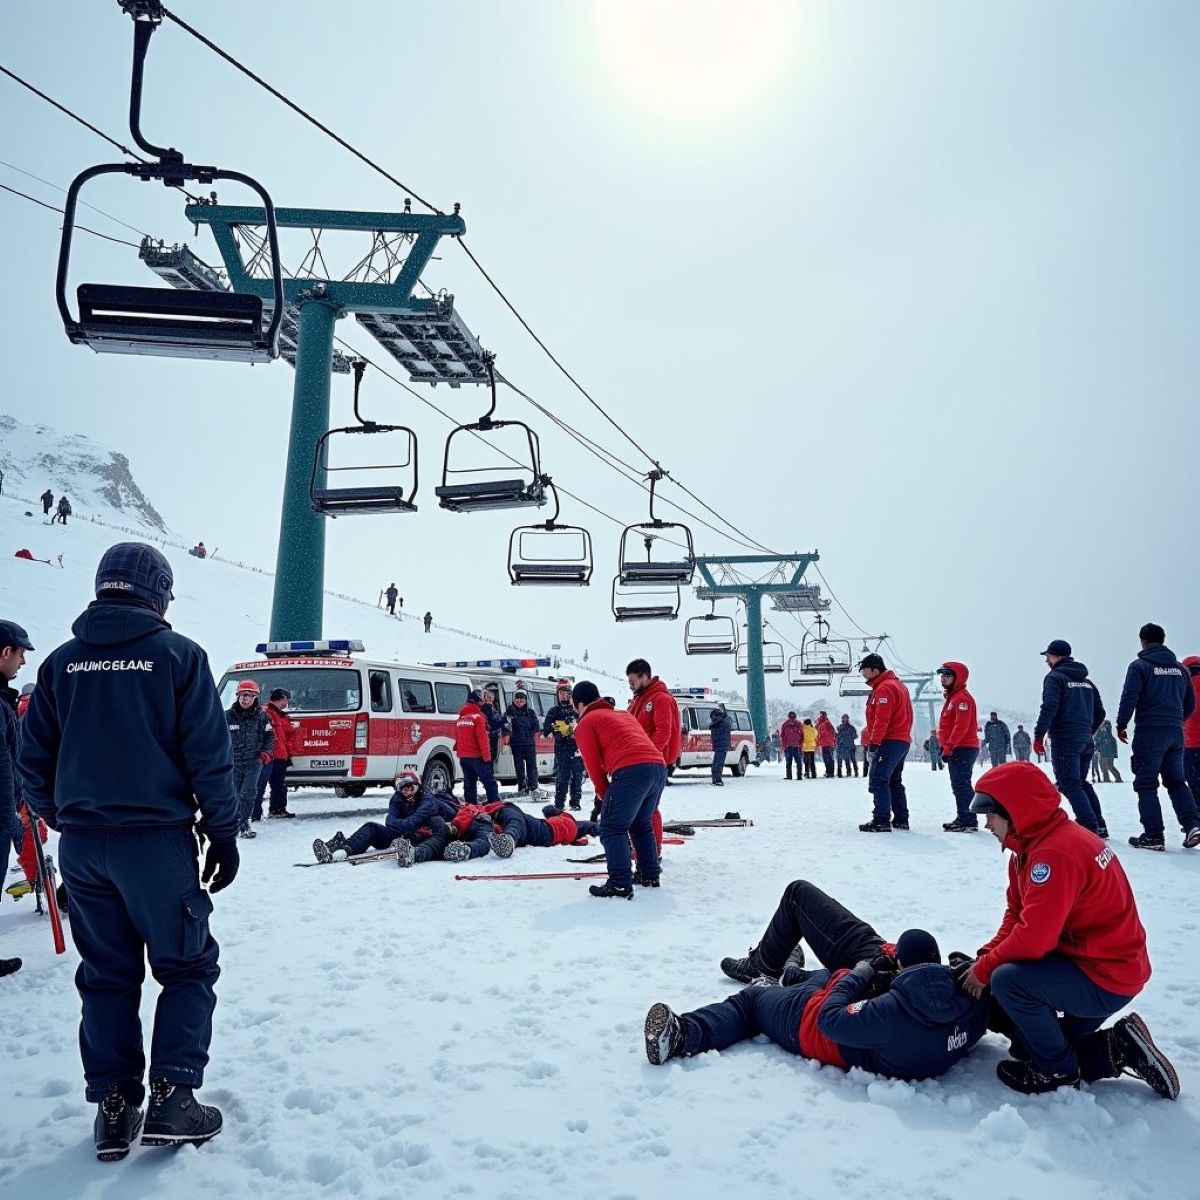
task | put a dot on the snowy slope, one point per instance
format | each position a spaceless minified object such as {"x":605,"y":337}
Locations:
{"x":384,"y":1033}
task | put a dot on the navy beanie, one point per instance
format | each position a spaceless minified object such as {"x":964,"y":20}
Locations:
{"x":917,"y":946}
{"x":138,"y":571}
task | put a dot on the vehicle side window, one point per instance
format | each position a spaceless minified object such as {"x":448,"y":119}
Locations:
{"x":741,"y":719}
{"x":381,"y":692}
{"x":416,"y":696}
{"x":689,"y":717}
{"x":450,"y":697}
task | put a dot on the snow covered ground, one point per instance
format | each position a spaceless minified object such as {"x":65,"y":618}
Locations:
{"x":383,"y":1033}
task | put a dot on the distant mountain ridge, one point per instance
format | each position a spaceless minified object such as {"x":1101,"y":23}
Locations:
{"x":94,"y":478}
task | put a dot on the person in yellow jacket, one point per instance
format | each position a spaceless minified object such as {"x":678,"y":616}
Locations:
{"x":810,"y":749}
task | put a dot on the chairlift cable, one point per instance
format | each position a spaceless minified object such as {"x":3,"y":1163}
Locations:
{"x":82,"y":228}
{"x":84,"y":203}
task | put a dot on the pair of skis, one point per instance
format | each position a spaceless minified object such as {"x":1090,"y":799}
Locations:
{"x":46,"y":884}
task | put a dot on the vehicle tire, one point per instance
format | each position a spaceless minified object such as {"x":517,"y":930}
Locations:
{"x":349,"y":791}
{"x":439,"y":776}
{"x":738,"y":769}
{"x":341,"y":791}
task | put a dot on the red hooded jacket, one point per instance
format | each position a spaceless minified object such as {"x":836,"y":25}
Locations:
{"x":1067,"y":891}
{"x":826,"y":734}
{"x":791,"y":734}
{"x":1191,"y":725}
{"x":468,"y":814}
{"x":471,"y":733}
{"x":282,"y":727}
{"x":609,"y":740}
{"x":889,"y":711}
{"x":658,"y":714}
{"x":956,"y":725}
{"x":563,"y":829}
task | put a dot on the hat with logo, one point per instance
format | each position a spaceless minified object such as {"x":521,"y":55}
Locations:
{"x":136,"y":570}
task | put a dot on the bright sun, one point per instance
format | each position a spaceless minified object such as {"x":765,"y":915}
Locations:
{"x":695,"y":58}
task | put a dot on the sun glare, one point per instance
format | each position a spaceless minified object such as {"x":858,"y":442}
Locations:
{"x":686,"y":59}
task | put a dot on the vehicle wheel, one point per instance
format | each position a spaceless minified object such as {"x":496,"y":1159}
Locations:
{"x":438,"y":777}
{"x":341,"y":791}
{"x":739,"y":768}
{"x":349,"y":791}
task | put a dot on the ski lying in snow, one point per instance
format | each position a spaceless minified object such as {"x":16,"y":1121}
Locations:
{"x":49,"y":886}
{"x":541,"y":875}
{"x":595,"y":858}
{"x":715,"y":824}
{"x":354,"y":860}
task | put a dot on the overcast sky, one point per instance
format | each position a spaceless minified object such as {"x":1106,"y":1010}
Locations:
{"x":912,"y":285}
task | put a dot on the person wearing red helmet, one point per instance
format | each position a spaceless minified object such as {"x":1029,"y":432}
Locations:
{"x":253,"y":740}
{"x":1071,"y":942}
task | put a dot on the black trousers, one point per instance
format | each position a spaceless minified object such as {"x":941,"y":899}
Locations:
{"x":834,"y":934}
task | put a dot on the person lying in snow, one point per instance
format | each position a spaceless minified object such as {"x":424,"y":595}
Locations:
{"x":410,"y":810}
{"x":891,"y":1009}
{"x":515,"y":828}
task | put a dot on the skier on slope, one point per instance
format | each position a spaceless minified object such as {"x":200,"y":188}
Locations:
{"x":128,"y":692}
{"x":47,"y":499}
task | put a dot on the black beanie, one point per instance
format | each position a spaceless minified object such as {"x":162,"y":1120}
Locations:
{"x":585,"y":692}
{"x":917,"y":946}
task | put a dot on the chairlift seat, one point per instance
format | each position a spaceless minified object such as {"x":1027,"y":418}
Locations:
{"x":657,"y":572}
{"x":360,"y":501}
{"x":661,"y":612}
{"x":551,"y":574}
{"x":486,"y":495}
{"x":226,"y":326}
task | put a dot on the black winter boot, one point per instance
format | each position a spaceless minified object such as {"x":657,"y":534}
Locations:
{"x":650,"y":881}
{"x":117,"y":1126}
{"x":405,"y":854}
{"x":1032,"y":1080}
{"x":175,"y":1117}
{"x":875,"y":827}
{"x":1148,"y":841}
{"x":664,"y":1035}
{"x":1133,"y":1052}
{"x":325,"y":850}
{"x":748,"y":969}
{"x":793,"y":970}
{"x":609,"y":891}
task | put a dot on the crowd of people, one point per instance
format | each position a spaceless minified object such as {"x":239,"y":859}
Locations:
{"x":146,"y":844}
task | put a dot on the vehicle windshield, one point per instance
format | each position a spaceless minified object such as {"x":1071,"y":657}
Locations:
{"x":314,"y":689}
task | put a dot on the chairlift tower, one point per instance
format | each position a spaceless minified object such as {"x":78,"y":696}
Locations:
{"x":751,"y":594}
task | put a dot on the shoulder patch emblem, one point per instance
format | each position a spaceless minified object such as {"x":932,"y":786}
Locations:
{"x":1039,"y":872}
{"x":963,"y":706}
{"x":650,"y":706}
{"x":857,"y":1006}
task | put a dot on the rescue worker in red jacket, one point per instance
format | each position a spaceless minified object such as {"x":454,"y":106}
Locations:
{"x":473,"y":747}
{"x":274,"y":773}
{"x":658,"y":714}
{"x":960,"y":743}
{"x":888,"y":736}
{"x":629,"y":775}
{"x":1191,"y":729}
{"x":1071,"y":942}
{"x":791,"y":741}
{"x":826,"y":740}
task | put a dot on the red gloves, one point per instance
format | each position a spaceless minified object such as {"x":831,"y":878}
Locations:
{"x":265,"y":757}
{"x":1039,"y":746}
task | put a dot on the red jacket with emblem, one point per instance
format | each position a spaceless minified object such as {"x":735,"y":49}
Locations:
{"x":564,"y":829}
{"x":657,"y":713}
{"x":957,"y":728}
{"x":826,"y":734}
{"x":1067,"y":891}
{"x":889,"y":711}
{"x":283,"y":730}
{"x":791,"y":734}
{"x":468,"y":814}
{"x":609,"y":740}
{"x":1191,"y":725}
{"x":471,"y":733}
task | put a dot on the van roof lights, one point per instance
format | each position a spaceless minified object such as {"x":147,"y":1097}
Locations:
{"x":692,"y":691}
{"x":501,"y":664}
{"x":331,"y":646}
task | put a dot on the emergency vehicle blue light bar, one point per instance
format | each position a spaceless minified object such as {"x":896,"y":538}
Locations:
{"x":334,"y":645}
{"x":692,"y":691}
{"x":501,"y":664}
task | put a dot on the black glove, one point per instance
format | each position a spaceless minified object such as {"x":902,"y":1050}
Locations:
{"x":221,"y":864}
{"x":883,"y":962}
{"x":863,"y":971}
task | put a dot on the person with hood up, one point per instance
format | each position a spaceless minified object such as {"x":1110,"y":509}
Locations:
{"x":568,"y":766}
{"x":1070,"y":943}
{"x":894,"y":1010}
{"x":1071,"y":713}
{"x":1022,"y":744}
{"x":1191,"y":730}
{"x":957,"y":732}
{"x":1106,"y":752}
{"x":124,"y":743}
{"x":252,"y":737}
{"x":720,"y":729}
{"x":888,"y":738}
{"x":997,"y":739}
{"x":1158,"y":695}
{"x":523,"y":727}
{"x":826,"y":740}
{"x":791,"y":738}
{"x":474,"y":750}
{"x":847,"y":747}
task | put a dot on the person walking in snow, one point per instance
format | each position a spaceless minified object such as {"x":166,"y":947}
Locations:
{"x":791,"y":738}
{"x":960,"y":742}
{"x":891,"y":1009}
{"x":1022,"y":743}
{"x":933,"y":747}
{"x":428,"y":619}
{"x":568,"y":765}
{"x":1158,"y":696}
{"x":997,"y":739}
{"x":62,"y":512}
{"x":826,"y":741}
{"x":1070,"y":943}
{"x":47,"y":499}
{"x":392,"y":595}
{"x":252,"y":737}
{"x":847,"y":747}
{"x":130,"y":693}
{"x":523,"y":726}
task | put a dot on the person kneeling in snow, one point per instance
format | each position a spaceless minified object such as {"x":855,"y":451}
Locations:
{"x":411,"y":812}
{"x":514,"y":828}
{"x":1071,"y":942}
{"x":894,"y":1010}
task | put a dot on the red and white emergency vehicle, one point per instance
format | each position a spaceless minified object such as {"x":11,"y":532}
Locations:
{"x":357,"y":721}
{"x":695,"y":704}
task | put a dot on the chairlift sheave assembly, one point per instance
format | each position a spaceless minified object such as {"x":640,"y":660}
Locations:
{"x":483,"y":495}
{"x":370,"y":499}
{"x":161,"y":321}
{"x":633,"y":569}
{"x":710,"y":633}
{"x":645,"y":602}
{"x":550,"y":554}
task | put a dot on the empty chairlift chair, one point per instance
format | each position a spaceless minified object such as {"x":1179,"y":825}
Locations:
{"x":394,"y":484}
{"x":798,"y":678}
{"x":711,"y":633}
{"x":118,"y":319}
{"x":489,"y":492}
{"x":772,"y":659}
{"x":632,"y":602}
{"x":549,"y":554}
{"x":852,"y":688}
{"x":663,"y":558}
{"x":822,"y":655}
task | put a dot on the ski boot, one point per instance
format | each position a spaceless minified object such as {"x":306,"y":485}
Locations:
{"x":1148,"y":841}
{"x":609,"y":891}
{"x":117,"y":1126}
{"x":502,"y":844}
{"x":1030,"y":1079}
{"x":748,"y":969}
{"x":457,"y":852}
{"x":406,"y":855}
{"x":664,"y":1035}
{"x":176,"y":1118}
{"x":325,"y":850}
